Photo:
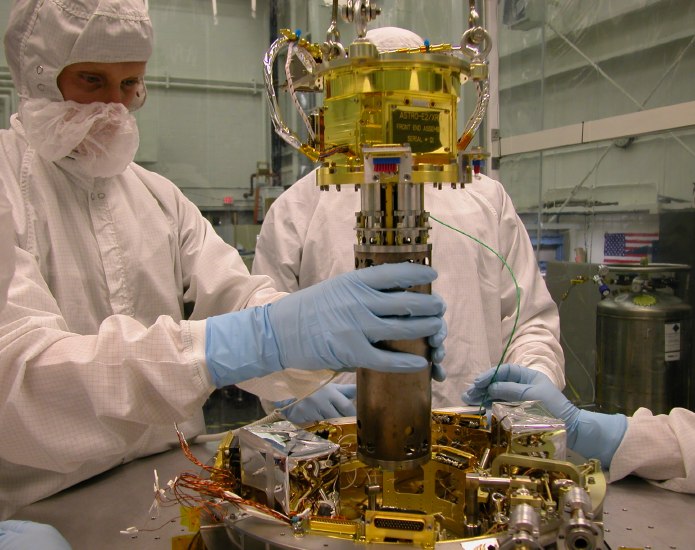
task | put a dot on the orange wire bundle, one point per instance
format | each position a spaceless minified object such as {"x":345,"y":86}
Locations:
{"x":220,"y":489}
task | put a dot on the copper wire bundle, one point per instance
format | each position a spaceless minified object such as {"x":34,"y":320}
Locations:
{"x":221,"y":488}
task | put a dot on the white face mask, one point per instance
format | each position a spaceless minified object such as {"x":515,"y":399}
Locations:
{"x":101,"y":138}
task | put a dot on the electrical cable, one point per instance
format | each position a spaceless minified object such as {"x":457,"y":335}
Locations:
{"x":268,"y":419}
{"x":291,"y":52}
{"x":276,"y":414}
{"x":518,"y":300}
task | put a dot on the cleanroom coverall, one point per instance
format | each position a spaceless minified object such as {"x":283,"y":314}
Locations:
{"x":308,"y":236}
{"x":660,"y":448}
{"x":102,"y":338}
{"x":6,"y":247}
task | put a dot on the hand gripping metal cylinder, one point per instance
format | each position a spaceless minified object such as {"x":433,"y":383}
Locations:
{"x":387,"y":126}
{"x":393,"y":410}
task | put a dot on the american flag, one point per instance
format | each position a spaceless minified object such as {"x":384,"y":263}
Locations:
{"x":627,"y":248}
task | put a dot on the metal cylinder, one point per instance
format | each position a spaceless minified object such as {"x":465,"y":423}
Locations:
{"x":525,"y":518}
{"x":580,"y":532}
{"x":643,"y":347}
{"x":524,"y":526}
{"x":393,"y":417}
{"x":394,"y":410}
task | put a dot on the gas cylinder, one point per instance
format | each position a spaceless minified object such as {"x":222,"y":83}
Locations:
{"x":643,"y":347}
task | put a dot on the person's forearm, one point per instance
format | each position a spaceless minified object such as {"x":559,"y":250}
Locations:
{"x":660,"y":448}
{"x":56,"y":386}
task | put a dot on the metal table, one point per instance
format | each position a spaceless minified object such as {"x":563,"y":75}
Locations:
{"x":92,"y":514}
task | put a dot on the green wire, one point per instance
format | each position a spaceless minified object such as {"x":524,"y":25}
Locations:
{"x":518,"y":300}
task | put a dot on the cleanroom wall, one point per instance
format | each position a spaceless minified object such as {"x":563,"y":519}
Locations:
{"x":561,"y":65}
{"x":597,"y":124}
{"x":204,"y":125}
{"x":597,"y":115}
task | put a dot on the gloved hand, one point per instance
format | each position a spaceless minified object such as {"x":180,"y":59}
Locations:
{"x":592,"y":435}
{"x":330,"y":401}
{"x":332,"y":324}
{"x":21,"y":535}
{"x":436,"y":342}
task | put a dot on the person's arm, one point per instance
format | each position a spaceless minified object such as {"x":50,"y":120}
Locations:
{"x":213,"y":277}
{"x":536,"y":341}
{"x":660,"y":448}
{"x":280,"y":244}
{"x":76,"y":401}
{"x":101,"y":387}
{"x":592,"y":435}
{"x":28,"y":535}
{"x":73,"y":406}
{"x":68,"y":398}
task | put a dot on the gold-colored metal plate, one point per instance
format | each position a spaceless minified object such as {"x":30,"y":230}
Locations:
{"x":381,"y":526}
{"x":337,"y":527}
{"x":392,"y":99}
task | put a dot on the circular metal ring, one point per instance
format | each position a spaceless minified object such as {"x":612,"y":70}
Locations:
{"x":476,"y":43}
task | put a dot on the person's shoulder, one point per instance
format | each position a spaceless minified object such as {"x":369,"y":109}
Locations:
{"x":303,"y":187}
{"x":481,"y":185}
{"x":306,"y":181}
{"x":159,"y":186}
{"x":153,"y":180}
{"x":484,"y":191}
{"x":306,"y":194}
{"x":486,"y":186}
{"x":493,"y":192}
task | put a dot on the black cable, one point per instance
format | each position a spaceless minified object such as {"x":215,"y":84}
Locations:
{"x":195,"y":542}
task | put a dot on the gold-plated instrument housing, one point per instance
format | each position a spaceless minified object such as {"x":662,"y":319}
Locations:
{"x":391,"y":98}
{"x":408,"y":95}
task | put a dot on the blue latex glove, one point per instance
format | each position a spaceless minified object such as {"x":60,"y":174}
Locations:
{"x":592,"y":435}
{"x":436,"y":342}
{"x":23,"y":535}
{"x":330,"y":401}
{"x":332,"y":325}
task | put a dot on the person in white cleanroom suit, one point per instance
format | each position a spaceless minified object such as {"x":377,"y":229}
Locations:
{"x":6,"y":248}
{"x":16,"y":534}
{"x":308,"y":236}
{"x":660,"y":448}
{"x":126,"y":309}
